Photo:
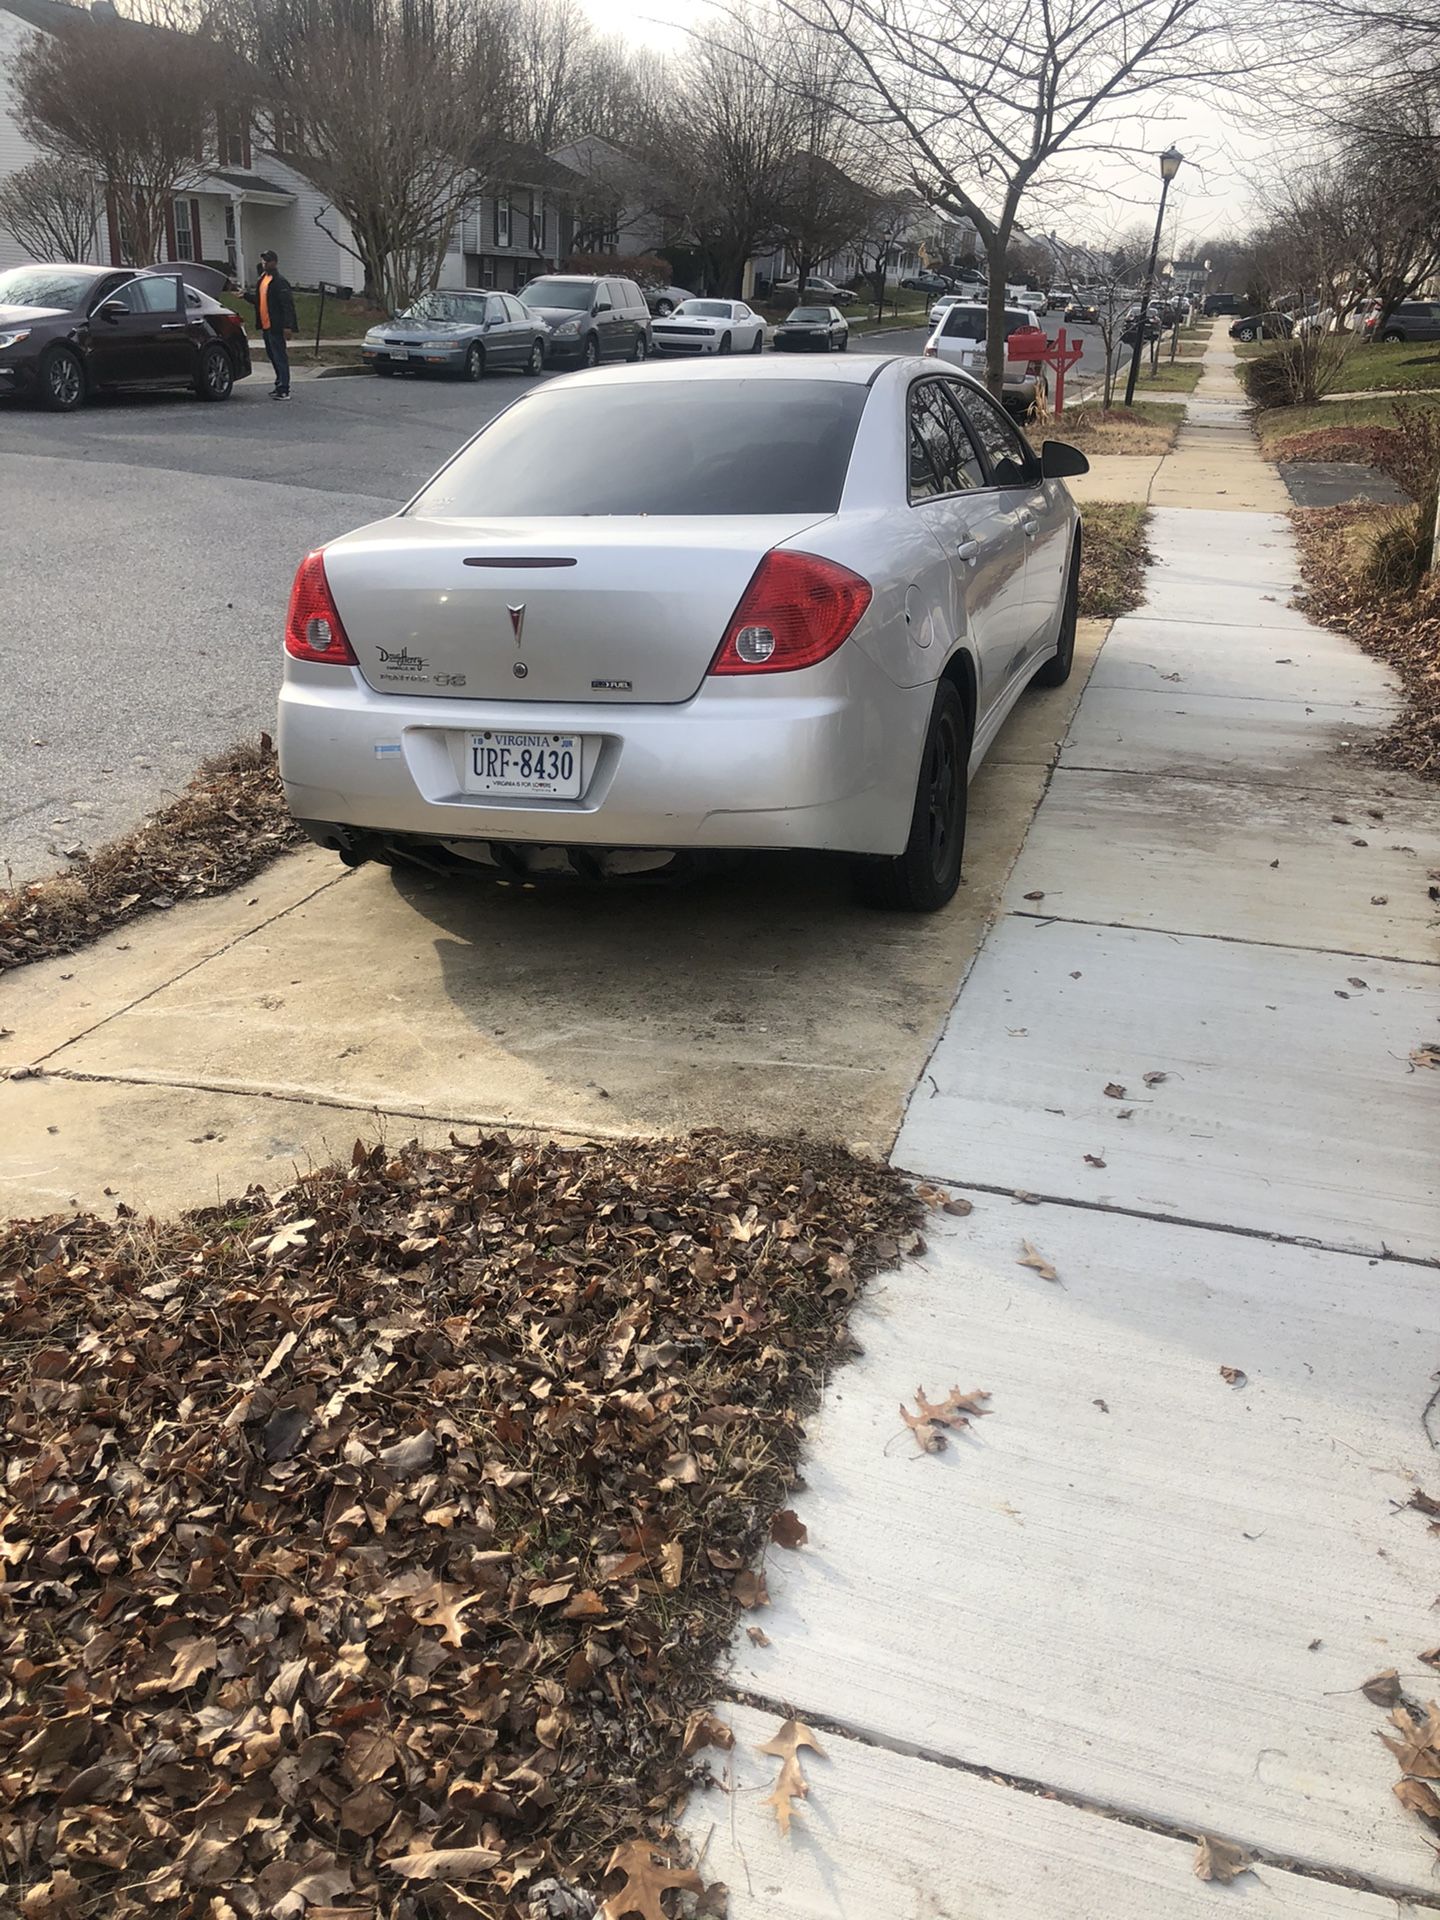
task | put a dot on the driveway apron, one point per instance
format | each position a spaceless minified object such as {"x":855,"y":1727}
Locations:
{"x":1182,"y":1089}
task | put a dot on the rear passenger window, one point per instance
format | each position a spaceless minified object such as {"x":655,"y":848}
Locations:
{"x":631,"y":294}
{"x":940,"y":445}
{"x":514,"y":310}
{"x":1011,"y":463}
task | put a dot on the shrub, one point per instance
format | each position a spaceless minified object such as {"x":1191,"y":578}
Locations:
{"x":1295,"y":373}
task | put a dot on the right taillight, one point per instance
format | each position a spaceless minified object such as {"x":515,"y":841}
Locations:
{"x":795,"y":612}
{"x":313,"y":630}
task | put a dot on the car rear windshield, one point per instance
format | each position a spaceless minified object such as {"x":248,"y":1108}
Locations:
{"x":45,"y":287}
{"x":968,"y":323}
{"x":656,"y":447}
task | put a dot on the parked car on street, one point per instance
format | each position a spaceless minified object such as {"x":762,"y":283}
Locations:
{"x":947,"y":300}
{"x":1218,"y":303}
{"x":1262,"y":326}
{"x":465,"y":331}
{"x":1411,"y":320}
{"x":1082,"y":313}
{"x":590,"y":319}
{"x":709,"y":326}
{"x":663,"y":300}
{"x":1058,"y":298}
{"x":812,"y":330}
{"x":816,"y":288}
{"x":68,"y":332}
{"x":927,"y":281}
{"x":642,"y":614}
{"x":959,"y":338}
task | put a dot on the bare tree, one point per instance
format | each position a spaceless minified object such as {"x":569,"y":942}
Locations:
{"x":987,"y":93}
{"x":824,"y":196}
{"x":51,"y":207}
{"x":1109,"y":272}
{"x":402,"y":110}
{"x":893,"y":221}
{"x":129,"y":103}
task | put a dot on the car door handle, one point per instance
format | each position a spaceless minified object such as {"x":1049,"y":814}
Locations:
{"x":1027,"y":523}
{"x":174,"y":326}
{"x":969,"y":550}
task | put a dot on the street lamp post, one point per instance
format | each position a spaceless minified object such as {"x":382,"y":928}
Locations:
{"x":1169,"y":166}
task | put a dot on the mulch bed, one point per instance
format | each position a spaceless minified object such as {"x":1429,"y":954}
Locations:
{"x":1113,"y":557}
{"x":366,"y":1549}
{"x":228,"y":823}
{"x":1403,"y":630}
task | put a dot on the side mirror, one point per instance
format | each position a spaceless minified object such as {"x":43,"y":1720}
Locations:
{"x":601,"y":306}
{"x":113,"y":309}
{"x":1059,"y":462}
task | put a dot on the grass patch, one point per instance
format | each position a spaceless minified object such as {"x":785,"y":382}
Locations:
{"x":1171,"y":376}
{"x":1398,"y":364}
{"x":1149,"y":427}
{"x":373,"y":1545}
{"x":344,"y":319}
{"x":865,"y":321}
{"x":228,"y":823}
{"x":1345,"y":555}
{"x":1113,"y":558}
{"x":1279,"y":423}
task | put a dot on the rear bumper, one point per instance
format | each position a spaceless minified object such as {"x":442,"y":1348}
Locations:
{"x":828,"y":765}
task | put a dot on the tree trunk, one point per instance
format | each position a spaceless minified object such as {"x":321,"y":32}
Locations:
{"x":995,"y":251}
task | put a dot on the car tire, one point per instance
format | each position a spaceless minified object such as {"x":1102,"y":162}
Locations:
{"x":1391,"y":336}
{"x":61,"y":385}
{"x":475,"y":362}
{"x":1246,"y":333}
{"x":844,"y":346}
{"x":924,"y":877}
{"x":590,"y":356}
{"x":1056,"y":671}
{"x":536,"y":362}
{"x":726,"y":344}
{"x":641,"y":348}
{"x":663,"y":307}
{"x":217,"y":374}
{"x":759,"y":346}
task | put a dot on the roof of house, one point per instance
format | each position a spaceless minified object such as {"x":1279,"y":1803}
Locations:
{"x":48,"y":14}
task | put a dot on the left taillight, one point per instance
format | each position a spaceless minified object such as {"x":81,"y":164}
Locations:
{"x":313,"y":628}
{"x":795,"y":612}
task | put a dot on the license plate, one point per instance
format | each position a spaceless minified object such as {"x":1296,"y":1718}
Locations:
{"x":398,"y":353}
{"x":537,"y":766}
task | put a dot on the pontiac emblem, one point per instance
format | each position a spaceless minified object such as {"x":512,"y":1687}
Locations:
{"x":517,"y":622}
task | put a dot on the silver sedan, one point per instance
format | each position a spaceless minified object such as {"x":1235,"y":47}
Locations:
{"x":778,"y":605}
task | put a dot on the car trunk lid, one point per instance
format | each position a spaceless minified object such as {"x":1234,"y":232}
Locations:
{"x":564,"y":610}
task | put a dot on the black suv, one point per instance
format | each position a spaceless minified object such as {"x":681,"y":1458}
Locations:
{"x":591,"y":319}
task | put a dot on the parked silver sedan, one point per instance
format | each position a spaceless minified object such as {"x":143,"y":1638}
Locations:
{"x":776,"y":604}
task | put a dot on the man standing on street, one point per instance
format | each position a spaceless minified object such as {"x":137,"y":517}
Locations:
{"x":275,"y":312}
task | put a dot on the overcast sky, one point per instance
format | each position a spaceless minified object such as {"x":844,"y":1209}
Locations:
{"x":1213,"y":193}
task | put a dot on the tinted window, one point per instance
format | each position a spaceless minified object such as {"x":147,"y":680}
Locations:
{"x":941,"y":432}
{"x":631,"y":295}
{"x":513,"y":309}
{"x":1011,"y":464}
{"x":46,"y":287}
{"x":708,"y":309}
{"x":495,"y":309}
{"x":575,"y":295}
{"x":158,"y":295}
{"x":811,"y":313}
{"x":667,"y":447}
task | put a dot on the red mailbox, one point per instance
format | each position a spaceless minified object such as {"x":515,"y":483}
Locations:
{"x":1031,"y":343}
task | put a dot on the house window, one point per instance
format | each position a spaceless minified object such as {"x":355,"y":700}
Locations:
{"x":289,"y":137}
{"x":185,"y":227}
{"x":502,"y":223}
{"x":233,"y":138}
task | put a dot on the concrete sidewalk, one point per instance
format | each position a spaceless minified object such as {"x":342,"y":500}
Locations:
{"x":1136,"y":1603}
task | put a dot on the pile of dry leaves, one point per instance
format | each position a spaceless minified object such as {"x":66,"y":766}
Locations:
{"x":1403,"y":630}
{"x":365,"y":1550}
{"x":229,"y":822}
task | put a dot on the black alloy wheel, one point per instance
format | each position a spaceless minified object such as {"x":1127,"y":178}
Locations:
{"x":217,"y":374}
{"x":62,"y":381}
{"x":725,"y":344}
{"x":925,"y":876}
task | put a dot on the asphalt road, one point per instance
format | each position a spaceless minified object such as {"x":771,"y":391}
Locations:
{"x":149,"y":546}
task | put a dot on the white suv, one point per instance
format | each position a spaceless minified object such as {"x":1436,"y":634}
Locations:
{"x":959,"y":337}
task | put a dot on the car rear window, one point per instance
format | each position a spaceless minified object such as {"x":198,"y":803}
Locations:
{"x":968,"y":323}
{"x":656,"y":447}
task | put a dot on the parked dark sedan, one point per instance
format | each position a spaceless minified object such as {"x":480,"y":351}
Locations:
{"x":1263,"y":326}
{"x":812,"y":330}
{"x":67,"y":332}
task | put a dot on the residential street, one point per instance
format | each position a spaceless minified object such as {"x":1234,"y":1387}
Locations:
{"x":1198,"y":1285}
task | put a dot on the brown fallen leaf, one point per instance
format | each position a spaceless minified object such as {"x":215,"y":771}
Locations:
{"x":1036,"y":1260}
{"x":751,"y":1590}
{"x":1382,"y":1689}
{"x":1416,"y":1749}
{"x":1114,"y":1091}
{"x":1417,"y":1796}
{"x":1233,"y":1376}
{"x":790,"y":1783}
{"x":1431,"y":1658}
{"x":1093,"y":1160}
{"x":932,"y":1416}
{"x":1035,"y":896}
{"x":704,"y":1729}
{"x":787,"y":1529}
{"x":758,"y":1637}
{"x":1156,"y":1079}
{"x":1220,"y":1860}
{"x":445,"y":1863}
{"x":645,"y":1880}
{"x":672,"y":1564}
